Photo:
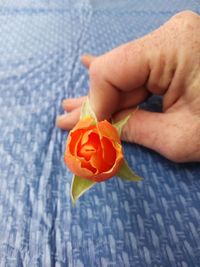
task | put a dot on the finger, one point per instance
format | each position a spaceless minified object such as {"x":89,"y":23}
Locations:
{"x":70,"y":104}
{"x":129,"y":99}
{"x":87,"y":60}
{"x":156,"y":131}
{"x":69,"y":120}
{"x":133,"y":98}
{"x":148,"y":62}
{"x":124,"y":69}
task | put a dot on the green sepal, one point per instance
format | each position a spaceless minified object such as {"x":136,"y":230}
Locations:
{"x":79,"y":186}
{"x":86,"y":111}
{"x":125,"y":173}
{"x":120,"y":124}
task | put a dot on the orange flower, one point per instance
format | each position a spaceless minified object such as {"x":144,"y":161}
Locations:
{"x":94,"y":151}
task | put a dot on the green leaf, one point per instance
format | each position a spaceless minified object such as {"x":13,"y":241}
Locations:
{"x":86,"y":111}
{"x":79,"y":186}
{"x":126,"y":173}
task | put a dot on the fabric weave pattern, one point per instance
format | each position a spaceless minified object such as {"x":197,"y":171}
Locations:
{"x":153,"y":223}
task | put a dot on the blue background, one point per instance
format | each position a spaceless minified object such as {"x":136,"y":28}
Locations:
{"x":151,"y":223}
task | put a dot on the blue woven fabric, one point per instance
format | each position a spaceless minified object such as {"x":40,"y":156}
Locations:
{"x":154,"y":223}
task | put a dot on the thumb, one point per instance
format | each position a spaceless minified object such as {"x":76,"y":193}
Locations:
{"x":156,"y":131}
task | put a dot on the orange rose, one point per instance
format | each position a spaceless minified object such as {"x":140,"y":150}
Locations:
{"x":94,"y":151}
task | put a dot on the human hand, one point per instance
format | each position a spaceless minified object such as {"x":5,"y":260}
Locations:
{"x":165,"y":62}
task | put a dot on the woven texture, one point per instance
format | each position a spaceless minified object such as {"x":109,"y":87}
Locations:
{"x":154,"y":223}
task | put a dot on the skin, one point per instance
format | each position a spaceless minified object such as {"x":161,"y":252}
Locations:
{"x":165,"y":62}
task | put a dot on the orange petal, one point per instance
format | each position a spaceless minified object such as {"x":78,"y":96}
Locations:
{"x":73,"y":141}
{"x":93,"y":140}
{"x":85,"y":123}
{"x":86,"y":151}
{"x":74,"y":164}
{"x":98,"y":162}
{"x":85,"y":136}
{"x":88,"y":148}
{"x":114,"y":169}
{"x":109,"y":152}
{"x":87,"y":165}
{"x":111,"y":172}
{"x":107,"y":130}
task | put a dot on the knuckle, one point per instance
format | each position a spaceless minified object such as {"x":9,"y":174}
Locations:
{"x":186,"y":15}
{"x":188,"y":20}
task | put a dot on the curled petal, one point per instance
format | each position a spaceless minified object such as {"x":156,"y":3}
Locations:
{"x":73,"y":141}
{"x":109,"y":153}
{"x":105,"y":129}
{"x":98,"y":162}
{"x":86,"y":151}
{"x":85,"y":136}
{"x":89,"y":146}
{"x":93,"y":140}
{"x":87,"y":165}
{"x":74,"y":164}
{"x":111,"y":172}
